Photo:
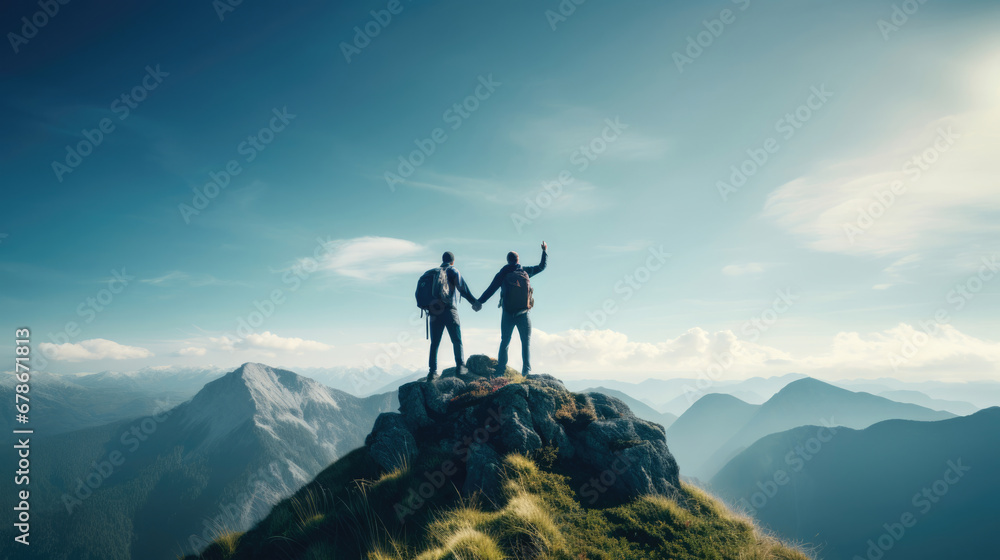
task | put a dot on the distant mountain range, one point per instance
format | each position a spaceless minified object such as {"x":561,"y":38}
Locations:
{"x":801,"y":403}
{"x":701,"y":431}
{"x":981,"y":394}
{"x":676,"y":395}
{"x":162,"y":485}
{"x":68,"y":402}
{"x":65,"y":403}
{"x":958,"y":408}
{"x":157,"y":462}
{"x":897,"y":489}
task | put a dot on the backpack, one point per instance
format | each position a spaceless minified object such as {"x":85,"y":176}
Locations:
{"x":517,"y":292}
{"x":433,"y":291}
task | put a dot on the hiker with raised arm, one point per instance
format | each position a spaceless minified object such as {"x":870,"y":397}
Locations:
{"x":438,"y":295}
{"x":516,"y":300}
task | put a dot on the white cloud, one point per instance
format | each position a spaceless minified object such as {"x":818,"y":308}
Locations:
{"x":947,"y":194}
{"x":741,"y":269}
{"x":691,"y":352}
{"x":93,"y":349}
{"x":903,"y":350}
{"x":940,"y":350}
{"x":578,"y":196}
{"x":567,"y":129}
{"x":175,"y":277}
{"x":375,"y":258}
{"x":191,"y":351}
{"x":895,"y":271}
{"x":268,"y":341}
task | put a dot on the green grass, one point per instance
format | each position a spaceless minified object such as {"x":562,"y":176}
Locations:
{"x":349,"y":512}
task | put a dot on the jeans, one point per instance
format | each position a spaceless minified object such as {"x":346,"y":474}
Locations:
{"x":507,"y":323}
{"x":446,"y":319}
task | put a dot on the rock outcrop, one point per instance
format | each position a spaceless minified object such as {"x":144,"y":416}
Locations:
{"x":476,"y":419}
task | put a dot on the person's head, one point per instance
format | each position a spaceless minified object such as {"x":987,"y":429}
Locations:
{"x":512,"y":258}
{"x":448,"y":258}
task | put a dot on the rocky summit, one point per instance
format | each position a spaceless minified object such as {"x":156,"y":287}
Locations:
{"x":476,"y":419}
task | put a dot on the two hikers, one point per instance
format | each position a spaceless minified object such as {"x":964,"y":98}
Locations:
{"x":438,"y":295}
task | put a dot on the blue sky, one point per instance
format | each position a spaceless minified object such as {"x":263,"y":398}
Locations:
{"x":511,"y":98}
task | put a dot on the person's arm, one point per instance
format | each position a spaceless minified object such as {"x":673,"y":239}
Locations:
{"x":494,"y":286}
{"x":533,"y":270}
{"x":463,"y":289}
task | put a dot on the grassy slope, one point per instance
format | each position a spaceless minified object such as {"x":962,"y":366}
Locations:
{"x":349,"y":511}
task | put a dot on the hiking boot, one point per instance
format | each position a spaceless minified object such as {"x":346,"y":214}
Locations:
{"x":461,"y":371}
{"x":431,"y":376}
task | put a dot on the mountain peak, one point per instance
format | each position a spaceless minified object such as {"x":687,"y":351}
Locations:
{"x":808,"y":386}
{"x":491,"y":417}
{"x":715,"y":399}
{"x":268,"y":397}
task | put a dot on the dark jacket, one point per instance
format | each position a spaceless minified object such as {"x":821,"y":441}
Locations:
{"x":507,"y":269}
{"x":458,"y":286}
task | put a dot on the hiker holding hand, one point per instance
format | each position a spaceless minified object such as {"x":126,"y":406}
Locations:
{"x":516,"y":300}
{"x":438,"y":294}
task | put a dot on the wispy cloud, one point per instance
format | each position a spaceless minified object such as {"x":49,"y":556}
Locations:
{"x":176,"y":277}
{"x":934,"y":187}
{"x":942,"y":352}
{"x":568,"y":129}
{"x":473,"y":188}
{"x":374,"y":258}
{"x":268,"y":341}
{"x":896,"y":272}
{"x":743,"y":269}
{"x":93,"y":349}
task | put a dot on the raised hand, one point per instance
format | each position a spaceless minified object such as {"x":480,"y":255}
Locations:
{"x":545,"y":246}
